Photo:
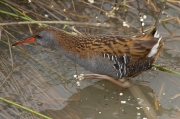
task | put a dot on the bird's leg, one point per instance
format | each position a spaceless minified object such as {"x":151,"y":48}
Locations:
{"x":122,"y":80}
{"x":124,"y":84}
{"x":75,"y":68}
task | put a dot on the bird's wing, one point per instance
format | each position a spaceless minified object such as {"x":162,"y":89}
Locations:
{"x":131,"y":48}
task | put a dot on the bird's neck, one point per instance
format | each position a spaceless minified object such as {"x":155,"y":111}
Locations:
{"x":70,"y":44}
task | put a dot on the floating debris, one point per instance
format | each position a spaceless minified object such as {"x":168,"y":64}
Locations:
{"x":123,"y":102}
{"x":120,"y":94}
{"x":138,"y":114}
{"x":91,"y":1}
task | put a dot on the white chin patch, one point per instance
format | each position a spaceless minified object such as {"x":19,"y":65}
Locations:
{"x":154,"y":48}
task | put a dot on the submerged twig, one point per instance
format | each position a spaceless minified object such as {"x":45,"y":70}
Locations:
{"x":25,"y":108}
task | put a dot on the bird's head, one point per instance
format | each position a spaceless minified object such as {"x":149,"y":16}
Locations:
{"x":43,"y":36}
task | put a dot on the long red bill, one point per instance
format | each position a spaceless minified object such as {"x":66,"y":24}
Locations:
{"x":31,"y":39}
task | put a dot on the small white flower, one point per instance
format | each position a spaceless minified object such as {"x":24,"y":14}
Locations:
{"x":143,"y":23}
{"x":144,"y":17}
{"x":141,"y":19}
{"x":125,"y":24}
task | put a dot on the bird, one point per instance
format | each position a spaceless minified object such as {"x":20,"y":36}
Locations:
{"x":110,"y":57}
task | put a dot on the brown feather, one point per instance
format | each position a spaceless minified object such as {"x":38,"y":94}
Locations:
{"x":136,"y":48}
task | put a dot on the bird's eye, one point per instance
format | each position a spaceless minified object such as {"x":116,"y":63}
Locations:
{"x":38,"y":36}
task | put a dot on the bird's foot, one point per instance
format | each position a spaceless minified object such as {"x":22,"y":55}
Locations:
{"x":122,"y":83}
{"x":122,"y":80}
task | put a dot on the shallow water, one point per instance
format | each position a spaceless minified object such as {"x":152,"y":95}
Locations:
{"x":42,"y":78}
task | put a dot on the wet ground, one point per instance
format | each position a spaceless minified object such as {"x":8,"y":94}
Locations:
{"x":42,"y":79}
